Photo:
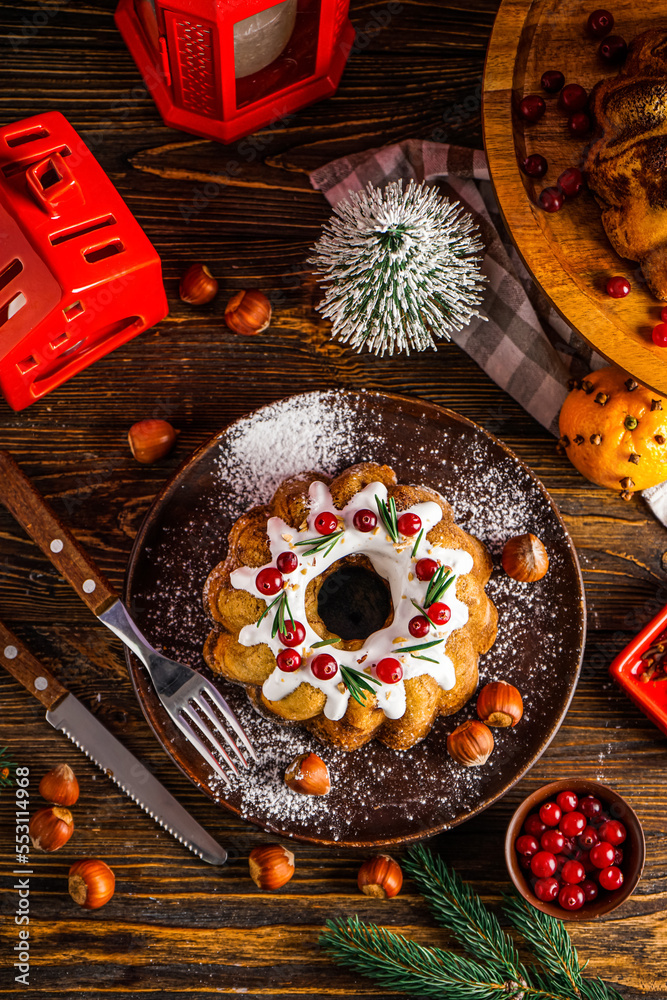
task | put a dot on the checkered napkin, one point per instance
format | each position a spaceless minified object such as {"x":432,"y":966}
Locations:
{"x":524,"y":346}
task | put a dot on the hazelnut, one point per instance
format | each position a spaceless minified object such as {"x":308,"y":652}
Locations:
{"x":271,"y":866}
{"x":198,"y":286}
{"x":150,"y":440}
{"x":380,"y":877}
{"x":308,"y":775}
{"x":60,"y":786}
{"x":248,"y":312}
{"x":470,"y":744}
{"x":91,"y":883}
{"x":50,"y":828}
{"x":525,"y":558}
{"x":500,"y":704}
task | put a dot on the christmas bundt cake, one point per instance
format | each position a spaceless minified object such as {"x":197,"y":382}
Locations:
{"x":354,"y":606}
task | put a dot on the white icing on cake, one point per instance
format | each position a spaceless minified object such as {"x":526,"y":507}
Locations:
{"x":394,"y":562}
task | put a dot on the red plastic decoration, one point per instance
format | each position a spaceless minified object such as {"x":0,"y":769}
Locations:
{"x":225,"y":68}
{"x":78,"y":276}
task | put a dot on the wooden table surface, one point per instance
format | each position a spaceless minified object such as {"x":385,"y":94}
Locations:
{"x":175,"y":924}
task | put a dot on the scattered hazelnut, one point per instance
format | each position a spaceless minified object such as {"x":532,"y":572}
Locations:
{"x":380,"y":877}
{"x":60,"y":786}
{"x":525,"y":558}
{"x":308,"y":774}
{"x":151,"y":439}
{"x":471,"y":743}
{"x":271,"y":866}
{"x":198,"y":286}
{"x":50,"y":828}
{"x":91,"y":883}
{"x":500,"y":704}
{"x":248,"y":312}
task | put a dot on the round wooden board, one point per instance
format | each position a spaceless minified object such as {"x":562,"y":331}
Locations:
{"x":568,"y":251}
{"x":378,"y":796}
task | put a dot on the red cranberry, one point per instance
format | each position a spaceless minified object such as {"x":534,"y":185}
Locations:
{"x":618,"y":287}
{"x":293,"y":635}
{"x":409,"y":524}
{"x":324,"y":667}
{"x":532,"y":108}
{"x":572,"y":824}
{"x":590,"y":807}
{"x":571,"y":182}
{"x":534,"y":825}
{"x":568,"y":801}
{"x":570,"y":847}
{"x":425,"y":569}
{"x":600,"y":23}
{"x":364,"y":520}
{"x":561,"y":860}
{"x":527,"y":845}
{"x":550,"y":813}
{"x":543,"y":864}
{"x":573,"y":872}
{"x":613,"y":832}
{"x":659,"y":335}
{"x":288,"y":660}
{"x":588,"y":838}
{"x":269,"y":580}
{"x":602,"y":854}
{"x":546,"y":889}
{"x":572,"y":98}
{"x":287,"y":562}
{"x":552,"y":81}
{"x":663,"y":314}
{"x":419,"y":626}
{"x":551,"y":199}
{"x":552,"y":840}
{"x":586,"y":862}
{"x":579,"y":124}
{"x":524,"y":862}
{"x":613,"y":49}
{"x":590,"y":889}
{"x":389,"y":670}
{"x":571,"y":897}
{"x":611,"y":878}
{"x":618,"y":855}
{"x":439,"y":613}
{"x":326,"y":523}
{"x":534,"y":165}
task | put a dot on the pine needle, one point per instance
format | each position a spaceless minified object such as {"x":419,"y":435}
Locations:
{"x":549,"y":941}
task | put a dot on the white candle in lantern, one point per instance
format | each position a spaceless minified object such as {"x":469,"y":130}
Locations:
{"x":260,"y":39}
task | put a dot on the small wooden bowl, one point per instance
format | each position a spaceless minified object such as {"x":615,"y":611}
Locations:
{"x":634,"y":847}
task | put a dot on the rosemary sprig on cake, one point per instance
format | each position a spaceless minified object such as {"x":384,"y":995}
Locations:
{"x":281,"y":604}
{"x":425,"y":645}
{"x":357,"y":681}
{"x":389,"y":516}
{"x":438,"y":584}
{"x":318,"y":544}
{"x":416,"y":545}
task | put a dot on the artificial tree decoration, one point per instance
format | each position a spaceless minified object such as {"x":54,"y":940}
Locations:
{"x":401,"y":268}
{"x":495,"y":971}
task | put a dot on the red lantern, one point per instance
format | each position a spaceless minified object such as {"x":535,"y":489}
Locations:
{"x":225,"y":68}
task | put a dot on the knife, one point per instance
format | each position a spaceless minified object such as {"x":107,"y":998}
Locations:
{"x":70,"y":716}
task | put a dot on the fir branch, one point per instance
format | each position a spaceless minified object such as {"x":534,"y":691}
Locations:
{"x":389,"y":517}
{"x":401,"y":964}
{"x":357,"y":681}
{"x":416,"y":545}
{"x":7,"y":768}
{"x":549,"y":941}
{"x":317,"y":544}
{"x":441,"y":580}
{"x":459,"y":908}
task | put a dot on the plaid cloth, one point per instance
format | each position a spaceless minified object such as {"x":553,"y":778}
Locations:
{"x":524,"y":346}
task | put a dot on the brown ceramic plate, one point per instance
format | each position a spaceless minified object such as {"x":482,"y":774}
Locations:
{"x":378,"y":796}
{"x":567,"y":251}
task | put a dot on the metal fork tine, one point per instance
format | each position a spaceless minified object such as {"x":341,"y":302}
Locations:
{"x":191,"y":735}
{"x":206,"y":731}
{"x":220,"y":702}
{"x":203,"y":705}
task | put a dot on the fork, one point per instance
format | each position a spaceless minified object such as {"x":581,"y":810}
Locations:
{"x":188,"y":698}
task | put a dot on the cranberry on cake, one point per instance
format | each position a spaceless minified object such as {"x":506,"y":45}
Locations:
{"x":353,"y":606}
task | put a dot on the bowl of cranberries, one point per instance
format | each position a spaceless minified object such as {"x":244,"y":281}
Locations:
{"x":575,"y":849}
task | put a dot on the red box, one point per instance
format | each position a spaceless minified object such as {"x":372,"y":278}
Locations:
{"x":78,"y":275}
{"x":650,"y":696}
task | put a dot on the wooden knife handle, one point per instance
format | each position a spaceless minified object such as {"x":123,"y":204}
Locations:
{"x":22,"y":665}
{"x":31,"y":510}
